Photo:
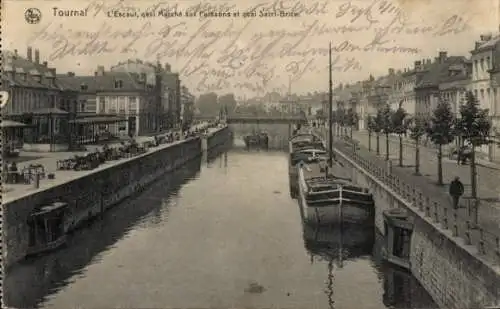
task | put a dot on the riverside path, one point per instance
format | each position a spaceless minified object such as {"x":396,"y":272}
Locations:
{"x":488,"y":185}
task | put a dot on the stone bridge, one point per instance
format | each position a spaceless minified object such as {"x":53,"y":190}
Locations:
{"x":278,"y":133}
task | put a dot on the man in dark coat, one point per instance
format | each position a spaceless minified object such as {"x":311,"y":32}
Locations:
{"x":456,"y":191}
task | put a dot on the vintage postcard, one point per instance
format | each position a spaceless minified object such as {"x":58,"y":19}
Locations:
{"x":290,"y":154}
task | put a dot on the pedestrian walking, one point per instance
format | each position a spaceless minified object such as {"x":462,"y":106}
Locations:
{"x":456,"y":191}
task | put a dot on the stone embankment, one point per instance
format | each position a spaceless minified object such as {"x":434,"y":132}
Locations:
{"x":90,"y":193}
{"x":456,"y":261}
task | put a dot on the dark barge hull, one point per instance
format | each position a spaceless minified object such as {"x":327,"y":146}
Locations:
{"x":344,"y":203}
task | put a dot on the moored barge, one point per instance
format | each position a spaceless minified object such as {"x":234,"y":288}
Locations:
{"x":303,"y":147}
{"x":326,"y":198}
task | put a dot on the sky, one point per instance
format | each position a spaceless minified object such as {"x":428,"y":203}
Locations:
{"x":221,"y":46}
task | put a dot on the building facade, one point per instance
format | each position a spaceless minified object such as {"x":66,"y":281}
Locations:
{"x":485,"y":58}
{"x":38,"y":100}
{"x":117,"y":103}
{"x":187,"y":106}
{"x":427,"y":90}
{"x":170,"y":88}
{"x":495,"y":108}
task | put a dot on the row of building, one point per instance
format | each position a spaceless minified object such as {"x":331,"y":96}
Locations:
{"x":131,"y":98}
{"x":419,"y":88}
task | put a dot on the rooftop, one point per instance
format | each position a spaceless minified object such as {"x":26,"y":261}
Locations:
{"x":439,"y":71}
{"x":23,"y":72}
{"x":102,"y":83}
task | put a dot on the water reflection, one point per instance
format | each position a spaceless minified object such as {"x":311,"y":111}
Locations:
{"x":32,"y":281}
{"x":401,"y":290}
{"x":336,"y":245}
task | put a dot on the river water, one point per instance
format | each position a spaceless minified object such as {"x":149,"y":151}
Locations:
{"x":221,"y":232}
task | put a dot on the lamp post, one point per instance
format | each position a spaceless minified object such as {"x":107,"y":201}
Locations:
{"x":330,"y":108}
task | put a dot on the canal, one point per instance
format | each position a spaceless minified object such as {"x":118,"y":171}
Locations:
{"x":219,"y":233}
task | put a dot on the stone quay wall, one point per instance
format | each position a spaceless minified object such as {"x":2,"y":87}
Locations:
{"x":95,"y":191}
{"x":452,"y":272}
{"x":218,"y":138}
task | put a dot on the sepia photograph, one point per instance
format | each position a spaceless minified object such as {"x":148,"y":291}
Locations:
{"x":251,"y":154}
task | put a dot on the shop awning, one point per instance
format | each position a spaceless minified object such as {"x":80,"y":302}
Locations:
{"x":49,"y":111}
{"x":12,"y":124}
{"x":98,"y":120}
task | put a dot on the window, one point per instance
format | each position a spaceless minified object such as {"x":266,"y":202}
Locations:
{"x":121,"y":105}
{"x":104,"y":105}
{"x":112,"y":105}
{"x":482,"y":64}
{"x":487,"y":63}
{"x":132,"y":104}
{"x":497,"y":101}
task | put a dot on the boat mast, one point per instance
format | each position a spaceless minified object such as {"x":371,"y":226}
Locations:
{"x":330,"y":108}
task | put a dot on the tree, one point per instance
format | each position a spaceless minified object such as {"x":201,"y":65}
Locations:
{"x":399,"y":126}
{"x":207,"y":104}
{"x":372,"y":128}
{"x":351,"y":119}
{"x":385,"y":122}
{"x":340,"y":115}
{"x":418,"y":127}
{"x":320,"y":115}
{"x":441,"y":132}
{"x":335,"y":122}
{"x":378,"y":125}
{"x":474,"y":127}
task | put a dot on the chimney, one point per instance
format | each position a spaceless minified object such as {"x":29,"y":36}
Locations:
{"x":100,"y":70}
{"x":168,"y":68}
{"x":45,"y":63}
{"x":417,"y":65}
{"x":15,"y":54}
{"x":71,"y":74}
{"x":37,"y":56}
{"x":29,"y":54}
{"x":391,"y":71}
{"x":442,"y":56}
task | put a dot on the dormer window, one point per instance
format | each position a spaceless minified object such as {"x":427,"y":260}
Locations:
{"x":84,"y":87}
{"x":37,"y":78}
{"x":118,"y":84}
